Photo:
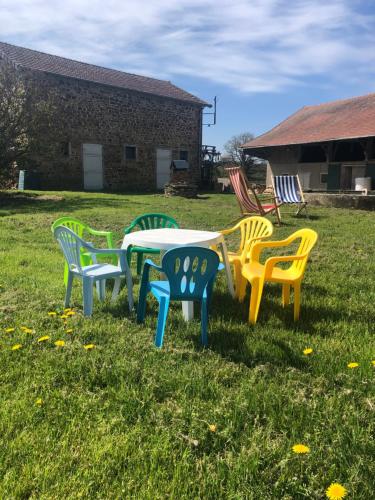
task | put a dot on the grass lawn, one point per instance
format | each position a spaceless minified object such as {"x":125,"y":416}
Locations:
{"x":128,"y":420}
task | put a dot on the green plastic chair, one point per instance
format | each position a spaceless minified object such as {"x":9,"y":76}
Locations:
{"x":142,"y":223}
{"x":81,"y":229}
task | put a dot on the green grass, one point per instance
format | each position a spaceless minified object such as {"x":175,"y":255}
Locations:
{"x":127,"y":420}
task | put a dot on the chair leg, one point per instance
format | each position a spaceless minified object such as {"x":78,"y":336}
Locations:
{"x":278,"y":216}
{"x":242,"y":289}
{"x":286,"y":294}
{"x":66,"y":274}
{"x":237,"y":277}
{"x":297,"y":300}
{"x":116,"y":289}
{"x":162,"y":318}
{"x":139,"y":263}
{"x":141,"y":309}
{"x":69,"y":284}
{"x":88,"y":285}
{"x":255,"y":298}
{"x":100,"y":288}
{"x":204,"y":321}
{"x":129,"y":284}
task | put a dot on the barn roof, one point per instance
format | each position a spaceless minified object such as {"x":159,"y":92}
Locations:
{"x":39,"y":61}
{"x":344,"y":119}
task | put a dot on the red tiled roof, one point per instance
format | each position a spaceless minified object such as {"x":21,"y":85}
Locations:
{"x":39,"y":61}
{"x":344,"y":119}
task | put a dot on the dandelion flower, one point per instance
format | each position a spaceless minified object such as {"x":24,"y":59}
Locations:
{"x":52,"y":313}
{"x":373,"y":362}
{"x":336,"y":492}
{"x":69,"y":330}
{"x":300,"y":449}
{"x":43,"y":339}
{"x":307,"y":351}
{"x":63,"y":316}
{"x":212,"y":427}
{"x":60,"y":343}
{"x":26,"y":329}
{"x":353,"y":365}
{"x":9,"y":330}
{"x":39,"y":402}
{"x":67,"y":309}
{"x":16,"y":347}
{"x":70,"y":313}
{"x":89,"y":346}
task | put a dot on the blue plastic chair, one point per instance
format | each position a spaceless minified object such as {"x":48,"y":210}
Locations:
{"x":190,"y":273}
{"x":72,"y":246}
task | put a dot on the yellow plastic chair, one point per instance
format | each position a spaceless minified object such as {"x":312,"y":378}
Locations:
{"x":252,"y":229}
{"x":257,"y":274}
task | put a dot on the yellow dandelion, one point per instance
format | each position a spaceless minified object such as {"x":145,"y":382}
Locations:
{"x":353,"y":365}
{"x":39,"y":402}
{"x":300,"y":449}
{"x":89,"y":346}
{"x":307,"y":351}
{"x":26,"y":329}
{"x":67,"y":309}
{"x":44,"y":338}
{"x":336,"y":492}
{"x":52,"y":313}
{"x":60,"y":343}
{"x":373,"y":362}
{"x":9,"y":330}
{"x":212,"y":427}
{"x":63,"y":316}
{"x":69,"y":330}
{"x":70,"y":313}
{"x":16,"y":347}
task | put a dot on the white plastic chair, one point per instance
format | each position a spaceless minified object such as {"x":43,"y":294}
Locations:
{"x":71,"y":246}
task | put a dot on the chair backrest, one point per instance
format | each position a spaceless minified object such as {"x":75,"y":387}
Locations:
{"x":308,"y":239}
{"x":253,"y":229}
{"x":70,"y":244}
{"x":287,"y":188}
{"x":75,"y":225}
{"x":241,"y":189}
{"x":154,"y":221}
{"x":189,"y":270}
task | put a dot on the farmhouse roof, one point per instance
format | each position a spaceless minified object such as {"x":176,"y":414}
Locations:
{"x":344,"y":119}
{"x":39,"y":61}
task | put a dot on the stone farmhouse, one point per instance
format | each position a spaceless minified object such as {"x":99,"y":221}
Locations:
{"x":116,"y":131}
{"x":328,"y":145}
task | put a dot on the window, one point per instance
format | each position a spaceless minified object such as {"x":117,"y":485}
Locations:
{"x":184,"y":155}
{"x":130,"y":152}
{"x":323,"y":178}
{"x":66,"y":149}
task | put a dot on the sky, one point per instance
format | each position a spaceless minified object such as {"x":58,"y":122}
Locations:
{"x":263,"y":59}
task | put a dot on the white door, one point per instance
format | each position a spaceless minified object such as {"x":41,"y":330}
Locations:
{"x":92,"y":167}
{"x":163,"y":164}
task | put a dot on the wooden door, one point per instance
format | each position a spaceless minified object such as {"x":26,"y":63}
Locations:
{"x":93,"y":167}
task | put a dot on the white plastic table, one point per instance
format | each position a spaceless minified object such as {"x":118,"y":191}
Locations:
{"x":168,"y":238}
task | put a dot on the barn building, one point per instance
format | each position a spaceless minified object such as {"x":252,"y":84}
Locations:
{"x":116,"y":131}
{"x":328,"y":145}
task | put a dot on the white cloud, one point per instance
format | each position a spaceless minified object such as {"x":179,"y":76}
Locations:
{"x":249,"y":45}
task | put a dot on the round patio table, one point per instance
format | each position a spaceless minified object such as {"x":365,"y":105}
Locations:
{"x":168,"y":238}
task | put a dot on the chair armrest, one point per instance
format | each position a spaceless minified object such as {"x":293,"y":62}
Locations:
{"x":149,"y":263}
{"x":272,"y":261}
{"x":95,"y":232}
{"x":129,"y":229}
{"x":260,"y":245}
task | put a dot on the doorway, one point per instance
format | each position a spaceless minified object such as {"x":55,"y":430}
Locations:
{"x":163,"y":165}
{"x":93,"y":167}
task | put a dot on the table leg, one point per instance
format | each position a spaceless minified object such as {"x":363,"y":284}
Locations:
{"x":188,"y":310}
{"x":224,"y":253}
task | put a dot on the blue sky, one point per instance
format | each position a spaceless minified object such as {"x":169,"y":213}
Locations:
{"x":264,"y":59}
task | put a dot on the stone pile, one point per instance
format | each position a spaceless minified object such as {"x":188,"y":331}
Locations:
{"x":181,"y":188}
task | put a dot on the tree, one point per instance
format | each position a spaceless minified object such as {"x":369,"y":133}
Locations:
{"x":254,"y":167}
{"x":25,"y":121}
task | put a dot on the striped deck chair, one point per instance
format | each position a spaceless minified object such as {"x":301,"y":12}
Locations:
{"x":288,"y":190}
{"x":247,"y":199}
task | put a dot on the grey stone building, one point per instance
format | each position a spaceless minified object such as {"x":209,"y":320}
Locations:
{"x":328,"y":145}
{"x":114,"y":130}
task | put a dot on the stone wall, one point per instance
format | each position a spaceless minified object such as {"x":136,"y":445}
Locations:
{"x":113,"y":117}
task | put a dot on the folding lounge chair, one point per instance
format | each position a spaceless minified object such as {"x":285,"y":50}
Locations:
{"x":245,"y":193}
{"x":288,"y":190}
